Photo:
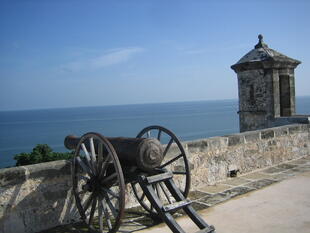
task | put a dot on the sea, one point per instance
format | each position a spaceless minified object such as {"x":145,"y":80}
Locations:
{"x":21,"y":131}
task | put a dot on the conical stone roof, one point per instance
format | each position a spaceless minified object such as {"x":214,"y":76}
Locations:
{"x":264,"y":57}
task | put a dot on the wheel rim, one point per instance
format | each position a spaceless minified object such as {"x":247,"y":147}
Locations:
{"x":98,"y":183}
{"x":175,"y":161}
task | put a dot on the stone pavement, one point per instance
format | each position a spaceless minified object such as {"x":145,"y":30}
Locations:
{"x":282,"y":207}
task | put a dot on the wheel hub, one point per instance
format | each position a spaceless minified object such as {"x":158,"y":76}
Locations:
{"x":91,"y":185}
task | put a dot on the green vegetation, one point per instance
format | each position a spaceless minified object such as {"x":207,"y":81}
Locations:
{"x":41,"y":153}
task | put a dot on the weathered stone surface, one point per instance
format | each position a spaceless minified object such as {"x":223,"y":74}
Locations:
{"x":279,"y":176}
{"x":274,"y":170}
{"x":12,"y":176}
{"x":236,"y":181}
{"x":256,"y":176}
{"x":217,"y":188}
{"x":49,"y":170}
{"x":281,"y":131}
{"x":267,"y":134}
{"x":286,"y":166}
{"x":237,"y":191}
{"x":197,"y":146}
{"x":235,"y":139}
{"x":194,"y":195}
{"x":260,"y":183}
{"x":214,"y":199}
{"x":294,"y":129}
{"x":251,"y":136}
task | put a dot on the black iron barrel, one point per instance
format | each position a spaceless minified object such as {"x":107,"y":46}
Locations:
{"x":145,"y":153}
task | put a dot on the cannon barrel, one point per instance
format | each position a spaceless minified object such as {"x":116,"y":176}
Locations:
{"x":145,"y":153}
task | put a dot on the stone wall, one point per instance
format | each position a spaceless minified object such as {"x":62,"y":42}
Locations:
{"x":37,"y":197}
{"x":212,"y":158}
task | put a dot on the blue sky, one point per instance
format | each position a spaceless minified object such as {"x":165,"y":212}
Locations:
{"x":67,"y":53}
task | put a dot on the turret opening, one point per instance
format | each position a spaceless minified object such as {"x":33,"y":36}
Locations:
{"x":285,"y":96}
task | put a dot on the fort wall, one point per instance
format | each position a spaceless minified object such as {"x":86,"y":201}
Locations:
{"x":38,"y":197}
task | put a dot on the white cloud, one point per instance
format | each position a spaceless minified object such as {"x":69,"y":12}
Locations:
{"x":109,"y":58}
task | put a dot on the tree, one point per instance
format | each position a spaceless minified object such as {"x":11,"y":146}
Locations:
{"x":41,"y":153}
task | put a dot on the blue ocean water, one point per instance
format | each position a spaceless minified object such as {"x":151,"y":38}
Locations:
{"x":20,"y":131}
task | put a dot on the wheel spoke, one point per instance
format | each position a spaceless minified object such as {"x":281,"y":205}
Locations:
{"x":106,"y":213}
{"x":159,"y":135}
{"x":88,"y":202}
{"x":109,"y":178}
{"x":100,"y":157}
{"x":93,"y":153}
{"x":171,"y":161}
{"x":149,"y":133}
{"x":86,"y":155}
{"x":104,"y":166}
{"x":114,"y":195}
{"x":92,"y":211}
{"x":168,"y":146}
{"x":84,"y":166}
{"x":100,"y":215}
{"x":110,"y":204}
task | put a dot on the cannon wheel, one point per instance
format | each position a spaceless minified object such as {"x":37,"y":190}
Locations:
{"x":175,"y":161}
{"x":98,"y":184}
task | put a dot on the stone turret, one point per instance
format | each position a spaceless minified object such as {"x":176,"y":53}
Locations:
{"x":266,"y":84}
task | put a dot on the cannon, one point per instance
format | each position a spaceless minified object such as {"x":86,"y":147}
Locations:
{"x":154,"y":163}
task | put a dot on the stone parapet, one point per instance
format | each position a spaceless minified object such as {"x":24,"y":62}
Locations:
{"x":38,"y":197}
{"x":35,"y":197}
{"x":211,"y":159}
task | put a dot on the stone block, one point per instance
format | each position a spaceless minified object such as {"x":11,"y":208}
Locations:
{"x":218,"y":143}
{"x":251,"y":152}
{"x":294,"y":129}
{"x":197,"y":146}
{"x":235,"y":139}
{"x":215,"y":188}
{"x":237,"y":191}
{"x":267,"y":134}
{"x":236,"y":181}
{"x":273,"y":170}
{"x":12,"y":176}
{"x":280,"y":131}
{"x":194,"y":195}
{"x":252,"y":136}
{"x":280,"y":176}
{"x":256,"y":176}
{"x":286,"y":166}
{"x":49,"y":170}
{"x":260,"y":183}
{"x":214,"y":199}
{"x":304,"y":127}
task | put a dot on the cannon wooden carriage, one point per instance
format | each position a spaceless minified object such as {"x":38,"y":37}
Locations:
{"x":154,"y":163}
